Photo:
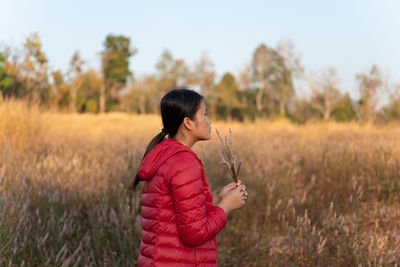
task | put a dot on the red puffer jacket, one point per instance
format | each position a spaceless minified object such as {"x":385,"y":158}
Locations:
{"x":179,"y":221}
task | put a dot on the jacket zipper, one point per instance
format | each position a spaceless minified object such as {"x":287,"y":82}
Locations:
{"x":195,"y":256}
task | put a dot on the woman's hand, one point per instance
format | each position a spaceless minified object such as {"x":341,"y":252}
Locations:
{"x":225,"y":190}
{"x":233,"y":199}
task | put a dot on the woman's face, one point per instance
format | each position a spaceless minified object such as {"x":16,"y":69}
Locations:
{"x":203,"y":123}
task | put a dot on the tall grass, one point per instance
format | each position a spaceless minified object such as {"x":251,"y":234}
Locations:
{"x":319,"y":194}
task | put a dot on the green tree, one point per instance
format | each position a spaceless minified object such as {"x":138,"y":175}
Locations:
{"x":227,"y":91}
{"x":344,"y":109}
{"x":88,"y":94}
{"x":248,"y":102}
{"x":12,"y":66}
{"x":6,"y":80}
{"x":115,"y":67}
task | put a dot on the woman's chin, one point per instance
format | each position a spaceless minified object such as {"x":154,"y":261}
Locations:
{"x":206,"y":137}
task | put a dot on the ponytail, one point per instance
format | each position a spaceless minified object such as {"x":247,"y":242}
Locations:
{"x":156,"y":140}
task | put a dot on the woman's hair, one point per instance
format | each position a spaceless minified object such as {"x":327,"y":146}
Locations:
{"x":175,"y":106}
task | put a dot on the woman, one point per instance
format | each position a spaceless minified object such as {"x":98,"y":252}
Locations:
{"x":179,"y":220}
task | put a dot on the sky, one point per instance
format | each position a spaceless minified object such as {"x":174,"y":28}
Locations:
{"x":349,"y":35}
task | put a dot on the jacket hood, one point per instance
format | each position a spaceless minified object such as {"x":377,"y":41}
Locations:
{"x":158,"y":155}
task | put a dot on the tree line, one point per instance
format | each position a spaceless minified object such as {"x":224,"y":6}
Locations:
{"x":268,"y":87}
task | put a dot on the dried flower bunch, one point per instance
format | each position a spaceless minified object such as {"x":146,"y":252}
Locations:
{"x":228,"y":159}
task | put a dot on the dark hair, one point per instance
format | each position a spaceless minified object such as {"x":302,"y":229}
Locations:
{"x":175,"y":106}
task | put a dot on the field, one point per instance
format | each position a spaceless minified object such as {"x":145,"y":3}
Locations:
{"x":319,"y":194}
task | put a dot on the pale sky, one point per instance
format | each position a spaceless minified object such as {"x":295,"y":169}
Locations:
{"x":348,"y":35}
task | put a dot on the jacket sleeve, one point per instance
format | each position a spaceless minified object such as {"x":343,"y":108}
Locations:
{"x":195,"y":224}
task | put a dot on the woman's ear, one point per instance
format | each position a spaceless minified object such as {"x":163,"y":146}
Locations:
{"x":188,"y":123}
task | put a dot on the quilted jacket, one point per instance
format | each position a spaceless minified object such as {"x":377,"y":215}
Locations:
{"x":179,"y":221}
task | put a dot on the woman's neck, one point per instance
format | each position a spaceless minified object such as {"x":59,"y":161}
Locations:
{"x":184,"y":139}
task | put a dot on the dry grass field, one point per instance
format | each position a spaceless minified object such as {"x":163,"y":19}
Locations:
{"x":319,"y":194}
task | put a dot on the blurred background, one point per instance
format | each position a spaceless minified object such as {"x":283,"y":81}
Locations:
{"x":297,"y":60}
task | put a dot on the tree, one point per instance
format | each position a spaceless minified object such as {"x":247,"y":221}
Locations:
{"x":115,"y":67}
{"x":260,"y":70}
{"x":35,"y":70}
{"x":271,"y":72}
{"x":369,"y":87}
{"x":392,"y":110}
{"x":164,"y":68}
{"x":6,"y":80}
{"x":203,"y":75}
{"x":344,"y":109}
{"x":245,"y":78}
{"x":88,"y":94}
{"x":291,"y":69}
{"x":202,"y":79}
{"x":171,"y":73}
{"x":325,"y":92}
{"x":301,"y":111}
{"x":143,"y":96}
{"x":180,"y":74}
{"x":11,"y":67}
{"x":75,"y":72}
{"x":227,"y":91}
{"x":61,"y":89}
{"x":246,"y":95}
